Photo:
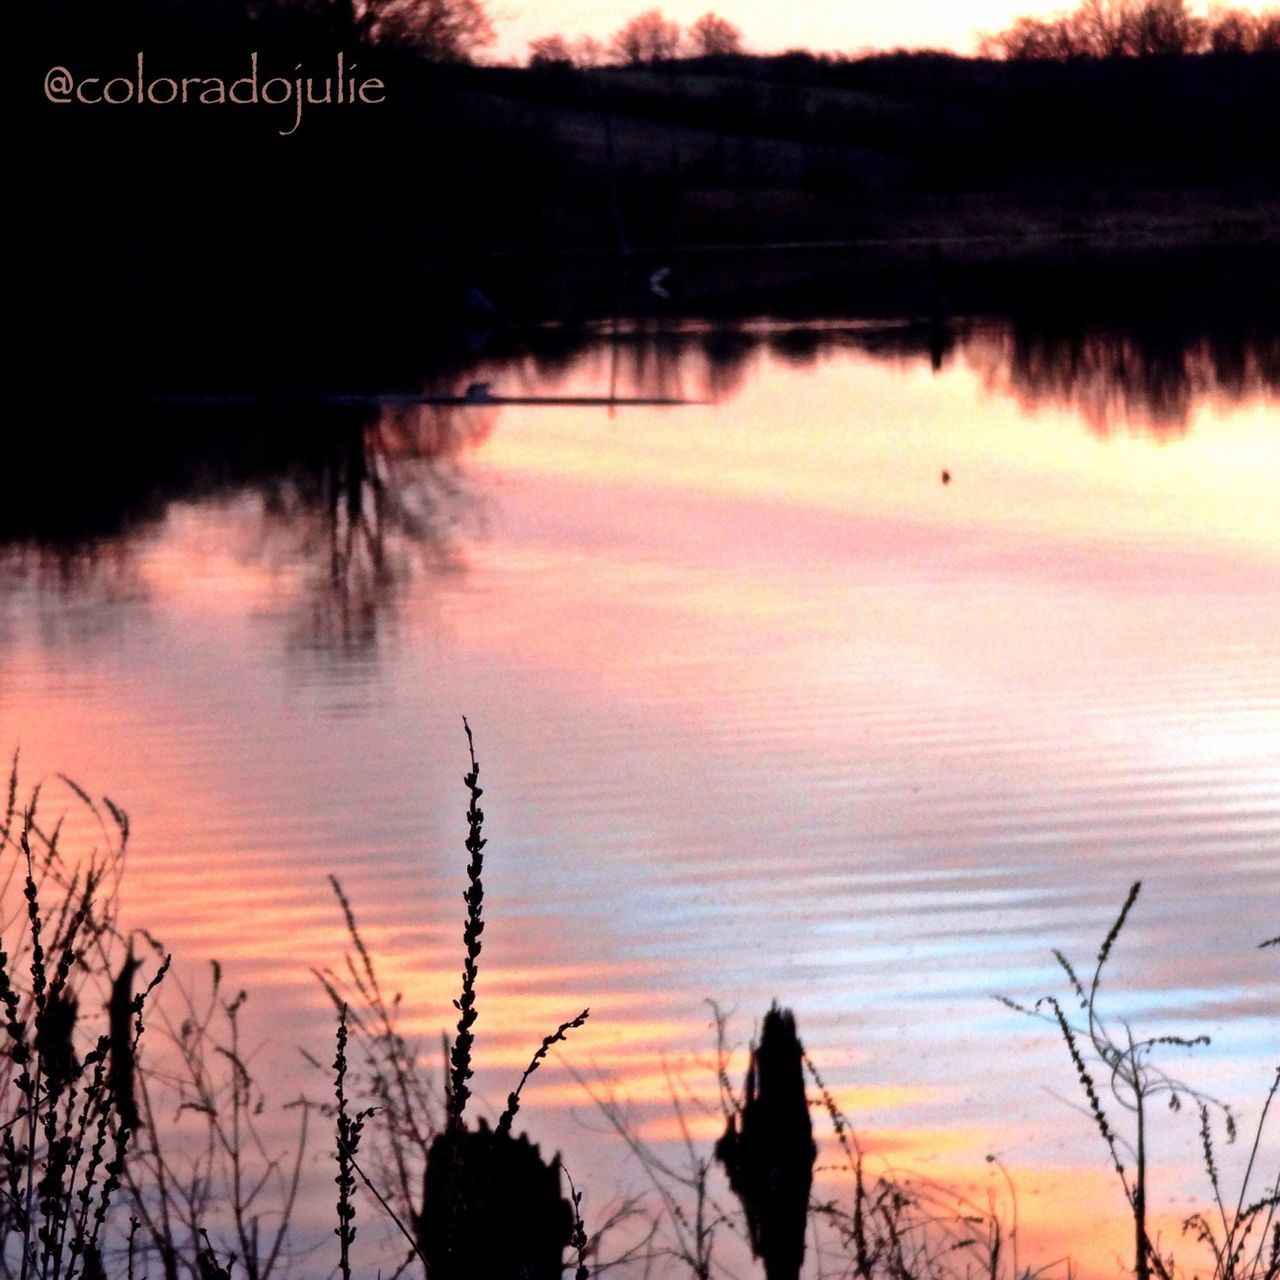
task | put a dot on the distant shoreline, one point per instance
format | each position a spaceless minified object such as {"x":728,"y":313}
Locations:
{"x":482,"y":197}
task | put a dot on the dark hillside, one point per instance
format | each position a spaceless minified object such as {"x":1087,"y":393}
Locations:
{"x":196,"y":234}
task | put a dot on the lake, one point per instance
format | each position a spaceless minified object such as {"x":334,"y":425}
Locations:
{"x":862,"y":680}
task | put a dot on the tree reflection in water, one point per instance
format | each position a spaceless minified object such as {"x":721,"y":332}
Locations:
{"x":387,"y":503}
{"x":1142,"y":380}
{"x":360,"y":498}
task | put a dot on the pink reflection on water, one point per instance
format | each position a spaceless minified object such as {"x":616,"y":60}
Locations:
{"x":764,"y":710}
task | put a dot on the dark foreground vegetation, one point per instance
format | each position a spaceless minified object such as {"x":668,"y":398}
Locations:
{"x":153,"y":236}
{"x":130,"y":1155}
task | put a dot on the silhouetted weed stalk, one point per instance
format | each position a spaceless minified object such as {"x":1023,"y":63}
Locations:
{"x":349,"y":1130}
{"x":1243,"y":1234}
{"x":460,"y":1054}
{"x":488,"y":1205}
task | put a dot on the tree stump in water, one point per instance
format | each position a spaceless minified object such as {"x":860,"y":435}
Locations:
{"x":492,"y":1209}
{"x":768,"y":1150}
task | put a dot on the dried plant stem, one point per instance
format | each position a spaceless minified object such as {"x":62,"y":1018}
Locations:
{"x":513,"y":1098}
{"x":460,"y":1057}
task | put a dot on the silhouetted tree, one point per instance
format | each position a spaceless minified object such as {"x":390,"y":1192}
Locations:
{"x":1102,"y":28}
{"x":1231,"y":31}
{"x":1095,"y":29}
{"x":1163,"y":26}
{"x":1238,"y":31}
{"x":1031,"y":39}
{"x":1136,"y":29}
{"x":588,"y":51}
{"x":713,"y":35}
{"x":550,"y":51}
{"x":648,"y":37}
{"x":441,"y":30}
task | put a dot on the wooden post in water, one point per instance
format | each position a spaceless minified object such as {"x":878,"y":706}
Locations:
{"x":492,"y":1208}
{"x":768,"y":1149}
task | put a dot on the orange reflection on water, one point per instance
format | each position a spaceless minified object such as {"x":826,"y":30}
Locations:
{"x":851,"y":441}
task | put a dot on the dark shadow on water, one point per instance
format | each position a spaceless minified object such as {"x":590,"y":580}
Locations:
{"x":1143,"y":377}
{"x":1135,"y":381}
{"x":360,"y":497}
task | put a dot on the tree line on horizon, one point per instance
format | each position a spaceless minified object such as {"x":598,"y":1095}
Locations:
{"x":1135,"y":29}
{"x":459,"y":31}
{"x":647,"y":38}
{"x":1095,"y":29}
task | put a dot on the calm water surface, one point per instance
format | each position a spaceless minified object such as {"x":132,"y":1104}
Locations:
{"x":764,"y":709}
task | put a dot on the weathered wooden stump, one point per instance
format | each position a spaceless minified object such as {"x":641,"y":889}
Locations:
{"x":492,"y":1209}
{"x":768,"y":1150}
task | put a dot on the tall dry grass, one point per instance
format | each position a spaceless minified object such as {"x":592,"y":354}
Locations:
{"x":69,"y":1092}
{"x":1241,"y":1230}
{"x":116,"y":1163}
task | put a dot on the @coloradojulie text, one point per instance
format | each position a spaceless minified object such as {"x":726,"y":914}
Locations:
{"x":339,"y":85}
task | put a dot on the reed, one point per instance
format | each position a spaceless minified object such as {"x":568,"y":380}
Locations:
{"x":460,"y":1054}
{"x":1099,"y":1044}
{"x":70,"y":1117}
{"x":489,"y":1205}
{"x":63,"y":946}
{"x":350,"y":1128}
